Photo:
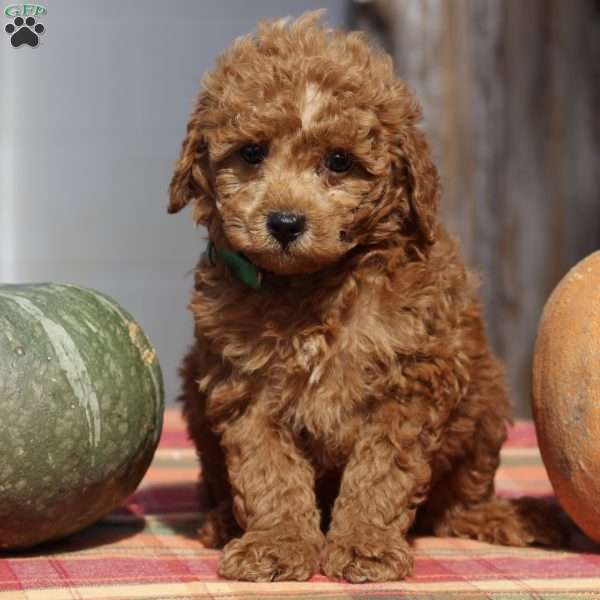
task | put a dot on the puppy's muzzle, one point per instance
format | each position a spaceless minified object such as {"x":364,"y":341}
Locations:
{"x":286,"y":227}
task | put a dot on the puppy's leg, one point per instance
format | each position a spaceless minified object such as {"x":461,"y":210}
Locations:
{"x":385,"y":480}
{"x":463,"y":503}
{"x":218,"y":525}
{"x":274,"y":501}
{"x":467,"y":507}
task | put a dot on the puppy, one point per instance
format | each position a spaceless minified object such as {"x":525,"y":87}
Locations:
{"x":341,"y":382}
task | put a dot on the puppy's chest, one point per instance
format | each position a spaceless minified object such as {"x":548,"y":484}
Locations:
{"x":340,"y":379}
{"x":327,"y":403}
{"x":320,"y":379}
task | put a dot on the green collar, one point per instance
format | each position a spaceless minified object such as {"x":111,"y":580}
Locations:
{"x":239,"y":266}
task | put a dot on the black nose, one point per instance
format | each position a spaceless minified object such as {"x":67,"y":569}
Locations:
{"x":286,"y":227}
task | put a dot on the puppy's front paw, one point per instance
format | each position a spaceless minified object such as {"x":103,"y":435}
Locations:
{"x":367,"y":556}
{"x":269,"y":556}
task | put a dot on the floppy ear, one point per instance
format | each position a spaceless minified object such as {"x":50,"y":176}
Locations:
{"x":420,"y":180}
{"x":191,"y":178}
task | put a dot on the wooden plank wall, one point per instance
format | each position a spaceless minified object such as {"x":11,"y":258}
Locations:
{"x":510,"y":91}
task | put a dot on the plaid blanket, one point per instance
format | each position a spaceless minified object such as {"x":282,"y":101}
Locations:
{"x":147,"y":549}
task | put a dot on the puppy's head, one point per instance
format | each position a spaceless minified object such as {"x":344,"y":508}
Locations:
{"x":303,"y":145}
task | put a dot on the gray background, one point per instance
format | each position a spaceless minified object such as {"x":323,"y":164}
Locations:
{"x":90,"y":126}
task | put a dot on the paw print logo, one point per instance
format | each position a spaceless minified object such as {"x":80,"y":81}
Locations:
{"x":24,"y":32}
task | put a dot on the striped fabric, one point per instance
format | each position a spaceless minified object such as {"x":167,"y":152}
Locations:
{"x":147,"y":549}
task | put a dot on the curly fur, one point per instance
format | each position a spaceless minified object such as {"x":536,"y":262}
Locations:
{"x":356,"y":388}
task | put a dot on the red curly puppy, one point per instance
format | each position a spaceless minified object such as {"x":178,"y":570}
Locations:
{"x":341,"y":378}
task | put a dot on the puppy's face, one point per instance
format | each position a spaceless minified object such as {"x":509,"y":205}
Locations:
{"x":298,"y":152}
{"x":288,"y":184}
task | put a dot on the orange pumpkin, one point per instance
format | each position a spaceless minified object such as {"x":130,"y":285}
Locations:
{"x":566,"y":392}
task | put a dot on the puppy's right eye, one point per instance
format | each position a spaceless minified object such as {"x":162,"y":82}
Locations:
{"x":253,"y":153}
{"x":339,"y":161}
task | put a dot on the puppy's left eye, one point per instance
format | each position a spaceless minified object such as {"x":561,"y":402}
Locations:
{"x":253,"y":153}
{"x":339,"y":161}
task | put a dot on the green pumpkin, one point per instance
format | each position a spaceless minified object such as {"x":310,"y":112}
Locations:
{"x":81,"y":405}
